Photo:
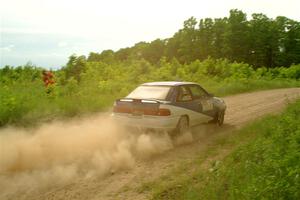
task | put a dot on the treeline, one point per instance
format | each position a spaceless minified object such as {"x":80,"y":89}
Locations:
{"x":259,"y":41}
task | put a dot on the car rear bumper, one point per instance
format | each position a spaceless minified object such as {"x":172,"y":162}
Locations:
{"x":165,"y":123}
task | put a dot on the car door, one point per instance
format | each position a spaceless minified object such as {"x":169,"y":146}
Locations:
{"x":203,"y":101}
{"x":185,"y":105}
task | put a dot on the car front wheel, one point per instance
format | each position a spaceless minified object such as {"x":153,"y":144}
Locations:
{"x":219,"y":118}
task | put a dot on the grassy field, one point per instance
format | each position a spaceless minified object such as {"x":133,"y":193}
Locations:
{"x":263,"y":163}
{"x":93,"y":88}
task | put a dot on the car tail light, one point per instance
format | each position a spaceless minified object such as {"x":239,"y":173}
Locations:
{"x":122,"y":109}
{"x":164,"y":112}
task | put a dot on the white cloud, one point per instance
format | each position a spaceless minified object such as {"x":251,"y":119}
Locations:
{"x":8,"y":48}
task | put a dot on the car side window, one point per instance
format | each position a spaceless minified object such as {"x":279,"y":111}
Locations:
{"x":184,"y":94}
{"x":197,"y":92}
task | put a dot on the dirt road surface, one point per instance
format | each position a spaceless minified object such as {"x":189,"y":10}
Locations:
{"x":49,"y":164}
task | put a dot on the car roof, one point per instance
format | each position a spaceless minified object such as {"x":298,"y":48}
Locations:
{"x":168,"y":83}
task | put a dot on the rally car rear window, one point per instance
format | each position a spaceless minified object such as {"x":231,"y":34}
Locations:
{"x":150,"y":92}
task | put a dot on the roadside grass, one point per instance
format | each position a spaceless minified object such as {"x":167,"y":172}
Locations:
{"x":241,"y":86}
{"x":28,"y":104}
{"x":24,"y":102}
{"x":262,"y":162}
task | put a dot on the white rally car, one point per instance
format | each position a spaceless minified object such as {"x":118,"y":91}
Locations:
{"x":169,"y":106}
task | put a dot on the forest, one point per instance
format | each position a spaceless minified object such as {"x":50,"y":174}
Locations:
{"x":227,"y":55}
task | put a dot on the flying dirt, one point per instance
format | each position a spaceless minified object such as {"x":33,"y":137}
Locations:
{"x":93,"y":158}
{"x":58,"y":153}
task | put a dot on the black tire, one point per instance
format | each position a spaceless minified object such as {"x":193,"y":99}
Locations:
{"x":219,"y":118}
{"x":183,"y":125}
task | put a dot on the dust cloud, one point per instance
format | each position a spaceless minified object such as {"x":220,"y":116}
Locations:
{"x":60,"y":153}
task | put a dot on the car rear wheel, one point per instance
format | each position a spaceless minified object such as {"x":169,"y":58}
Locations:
{"x":183,"y":125}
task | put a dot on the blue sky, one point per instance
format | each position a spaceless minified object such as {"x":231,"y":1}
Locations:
{"x":47,"y":32}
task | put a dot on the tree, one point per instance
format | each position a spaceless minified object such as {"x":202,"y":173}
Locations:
{"x":206,"y":38}
{"x":219,"y":28}
{"x":75,"y":66}
{"x":154,"y":51}
{"x":183,"y":45}
{"x":261,"y":41}
{"x":237,"y":36}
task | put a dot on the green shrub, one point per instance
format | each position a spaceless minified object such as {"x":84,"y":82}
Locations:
{"x":23,"y":96}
